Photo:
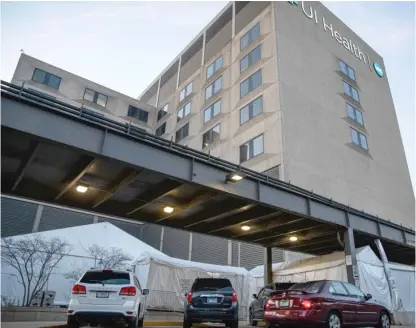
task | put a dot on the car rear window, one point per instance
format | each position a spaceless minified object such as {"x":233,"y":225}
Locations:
{"x":310,"y":287}
{"x":212,"y":284}
{"x":106,"y":278}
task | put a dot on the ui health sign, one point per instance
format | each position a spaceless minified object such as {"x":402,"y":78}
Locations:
{"x":364,"y":57}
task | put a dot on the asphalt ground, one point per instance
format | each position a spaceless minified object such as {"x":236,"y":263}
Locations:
{"x":148,"y":324}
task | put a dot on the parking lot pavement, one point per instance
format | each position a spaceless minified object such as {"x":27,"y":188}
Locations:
{"x":57,"y":324}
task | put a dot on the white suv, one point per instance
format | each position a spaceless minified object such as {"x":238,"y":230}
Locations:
{"x":107,"y":297}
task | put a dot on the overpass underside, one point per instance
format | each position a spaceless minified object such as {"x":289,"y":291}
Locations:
{"x":50,"y":148}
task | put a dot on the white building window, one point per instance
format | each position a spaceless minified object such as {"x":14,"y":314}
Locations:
{"x":215,"y":66}
{"x":213,"y":88}
{"x":185,"y":92}
{"x":184,"y":111}
{"x":252,"y":148}
{"x":212,"y":111}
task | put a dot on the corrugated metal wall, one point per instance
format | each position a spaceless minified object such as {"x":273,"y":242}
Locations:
{"x":176,"y":243}
{"x":151,"y":235}
{"x":131,"y":228}
{"x":234,"y":260}
{"x":253,"y":255}
{"x":58,"y":218}
{"x":209,"y":249}
{"x":18,"y":217}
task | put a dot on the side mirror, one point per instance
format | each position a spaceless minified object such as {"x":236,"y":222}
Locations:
{"x":368,"y":297}
{"x":255,"y":296}
{"x":145,"y":292}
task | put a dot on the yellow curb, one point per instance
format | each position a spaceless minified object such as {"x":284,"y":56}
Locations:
{"x":151,"y":323}
{"x":157,"y":323}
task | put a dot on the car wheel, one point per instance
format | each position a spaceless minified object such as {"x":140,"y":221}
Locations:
{"x":334,"y":320}
{"x":234,"y":324}
{"x":72,"y":322}
{"x":251,"y":318}
{"x":187,"y":323}
{"x":134,"y":322}
{"x":384,"y":321}
{"x":140,"y":322}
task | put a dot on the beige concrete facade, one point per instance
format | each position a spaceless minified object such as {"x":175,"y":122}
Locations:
{"x":304,"y":118}
{"x":72,"y":88}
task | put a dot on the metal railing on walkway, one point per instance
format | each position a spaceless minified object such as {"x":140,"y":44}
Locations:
{"x":117,"y":125}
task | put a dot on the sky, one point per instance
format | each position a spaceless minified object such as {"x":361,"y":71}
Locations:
{"x":125,"y":45}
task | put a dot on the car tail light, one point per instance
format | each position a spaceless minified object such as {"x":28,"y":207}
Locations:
{"x":107,"y":270}
{"x":128,"y":291}
{"x":234,"y":297}
{"x":269,"y":304}
{"x":306,"y":304}
{"x":79,"y":289}
{"x":189,"y":297}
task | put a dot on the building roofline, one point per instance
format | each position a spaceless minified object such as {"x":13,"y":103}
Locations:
{"x":116,"y":93}
{"x":187,"y":47}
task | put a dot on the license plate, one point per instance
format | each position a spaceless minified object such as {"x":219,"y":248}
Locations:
{"x":102,"y":294}
{"x":211,"y":300}
{"x":284,"y":303}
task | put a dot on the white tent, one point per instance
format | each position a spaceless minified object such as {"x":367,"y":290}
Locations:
{"x":80,"y":238}
{"x":167,"y":278}
{"x":332,"y":266}
{"x":170,"y":278}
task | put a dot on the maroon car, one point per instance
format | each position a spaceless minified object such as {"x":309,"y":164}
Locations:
{"x":332,"y":304}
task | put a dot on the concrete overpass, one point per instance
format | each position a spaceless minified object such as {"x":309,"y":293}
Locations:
{"x":50,"y":148}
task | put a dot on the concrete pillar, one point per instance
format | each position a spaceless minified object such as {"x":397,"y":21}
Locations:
{"x":161,"y":239}
{"x":204,"y":38}
{"x":38,"y":216}
{"x":190,"y":247}
{"x":158,"y":92}
{"x":268,"y":271}
{"x":351,"y":258}
{"x":179,"y":72}
{"x":230,"y":253}
{"x":233,"y":22}
{"x":397,"y":303}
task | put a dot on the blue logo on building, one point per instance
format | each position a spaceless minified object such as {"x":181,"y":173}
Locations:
{"x":378,"y":69}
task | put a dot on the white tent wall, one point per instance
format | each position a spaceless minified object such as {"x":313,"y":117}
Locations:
{"x":404,"y":277}
{"x":13,"y":290}
{"x":332,"y":267}
{"x":164,"y":276}
{"x":169,"y":279}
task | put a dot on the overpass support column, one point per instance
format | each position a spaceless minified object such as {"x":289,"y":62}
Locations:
{"x":351,"y":258}
{"x":268,"y":272}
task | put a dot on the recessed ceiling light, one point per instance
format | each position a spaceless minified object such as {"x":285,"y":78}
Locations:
{"x":293,"y":238}
{"x":168,"y":209}
{"x":245,"y":228}
{"x":82,"y":189}
{"x":234,"y":176}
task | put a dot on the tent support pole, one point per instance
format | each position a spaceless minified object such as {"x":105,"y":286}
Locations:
{"x":395,"y":297}
{"x":268,"y":272}
{"x":351,"y":258}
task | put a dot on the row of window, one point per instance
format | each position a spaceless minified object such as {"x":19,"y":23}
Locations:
{"x":336,"y":288}
{"x":248,"y":150}
{"x":354,"y":113}
{"x":249,"y":84}
{"x":90,"y":95}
